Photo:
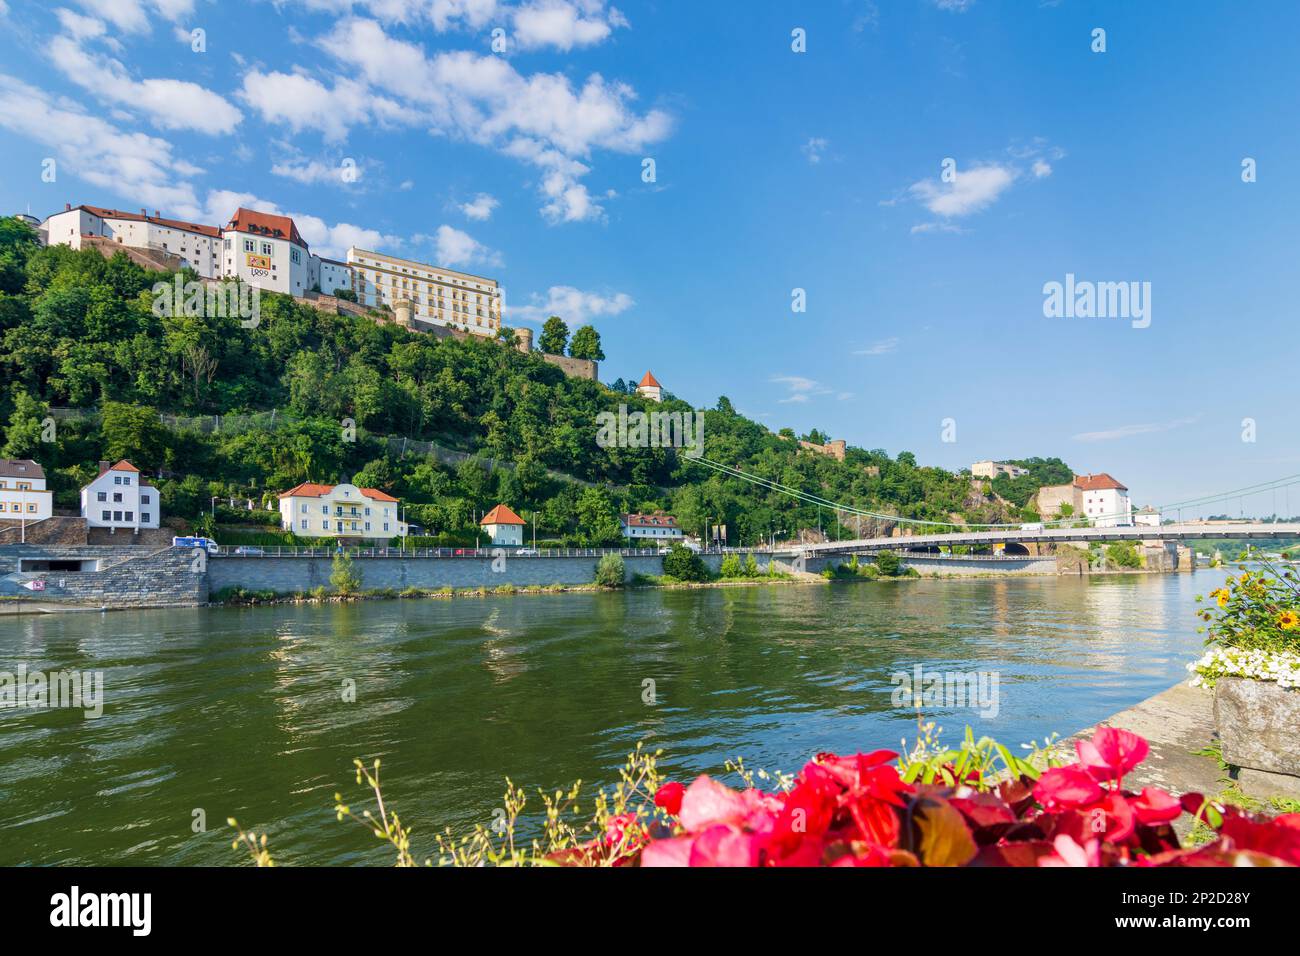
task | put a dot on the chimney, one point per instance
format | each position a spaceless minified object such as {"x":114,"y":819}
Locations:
{"x":144,"y":212}
{"x":67,"y":207}
{"x":103,"y":466}
{"x":157,"y":214}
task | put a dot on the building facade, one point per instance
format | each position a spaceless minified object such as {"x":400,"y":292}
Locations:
{"x":312,"y":510}
{"x":504,"y":527}
{"x":657,"y":527}
{"x":198,"y":246}
{"x":991,"y":469}
{"x":120,"y":498}
{"x":266,"y":251}
{"x":23,"y":495}
{"x":1099,"y":498}
{"x":650,"y":388}
{"x":437,"y":296}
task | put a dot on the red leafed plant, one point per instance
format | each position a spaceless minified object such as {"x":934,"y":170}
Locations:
{"x":859,"y":811}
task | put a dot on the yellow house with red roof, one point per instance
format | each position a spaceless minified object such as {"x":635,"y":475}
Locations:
{"x":312,"y":510}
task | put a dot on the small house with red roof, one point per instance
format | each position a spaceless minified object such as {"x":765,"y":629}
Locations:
{"x":504,"y":527}
{"x":312,"y":510}
{"x":267,"y":251}
{"x":656,"y":527}
{"x":1100,"y":498}
{"x":650,"y":388}
{"x":120,"y":498}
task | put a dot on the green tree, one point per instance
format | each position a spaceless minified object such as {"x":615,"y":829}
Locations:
{"x":343,"y":576}
{"x":135,"y":433}
{"x":610,"y":571}
{"x":684,"y":564}
{"x":597,"y":520}
{"x":554,"y":337}
{"x":731,"y":566}
{"x":888,"y":564}
{"x":586,"y":344}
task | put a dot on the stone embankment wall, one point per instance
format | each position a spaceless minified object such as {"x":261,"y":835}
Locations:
{"x":116,"y":576}
{"x":290,"y":575}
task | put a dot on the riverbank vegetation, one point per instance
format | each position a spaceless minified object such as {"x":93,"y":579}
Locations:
{"x":885,"y":564}
{"x":974,"y":805}
{"x":452,"y":427}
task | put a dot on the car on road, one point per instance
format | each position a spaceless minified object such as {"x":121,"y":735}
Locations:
{"x":1032,"y":526}
{"x":529,"y":552}
{"x":248,"y":549}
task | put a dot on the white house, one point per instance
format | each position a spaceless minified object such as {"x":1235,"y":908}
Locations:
{"x":340,"y":511}
{"x":266,"y":251}
{"x":1147,"y":517}
{"x":1104,"y":501}
{"x":650,"y":388}
{"x":662,"y":528}
{"x":334,"y":275}
{"x":23,"y":496}
{"x":504,"y":527}
{"x":120,"y":498}
{"x":198,"y":246}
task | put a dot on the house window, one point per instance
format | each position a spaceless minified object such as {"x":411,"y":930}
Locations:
{"x":266,"y":248}
{"x":31,"y":508}
{"x":144,"y":499}
{"x":367,"y":525}
{"x":293,"y":254}
{"x":117,"y":516}
{"x":303,"y":524}
{"x":248,"y":245}
{"x":117,"y":479}
{"x":105,"y":516}
{"x":130,"y":516}
{"x":304,"y":507}
{"x":101,"y":496}
{"x":144,"y":516}
{"x":385,"y":525}
{"x":117,"y":496}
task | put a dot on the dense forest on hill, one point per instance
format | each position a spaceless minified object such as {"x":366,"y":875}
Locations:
{"x":79,"y":331}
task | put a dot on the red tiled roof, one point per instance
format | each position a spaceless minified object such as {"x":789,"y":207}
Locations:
{"x":122,"y":465}
{"x":502,"y":515}
{"x":210,"y":231}
{"x":649,"y":521}
{"x":309,"y":489}
{"x":265,"y":224}
{"x":20,"y":468}
{"x":1099,"y":482}
{"x":648,"y":379}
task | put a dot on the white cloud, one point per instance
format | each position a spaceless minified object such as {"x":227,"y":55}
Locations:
{"x":970,"y":191}
{"x":799,"y":389}
{"x":131,"y":164}
{"x":325,"y":239}
{"x":472,"y":13}
{"x":134,"y":16}
{"x":1128,"y":431}
{"x":1041,"y":168}
{"x":955,"y":6}
{"x":564,"y":24}
{"x":814,"y":148}
{"x":883,"y":347}
{"x":169,"y":104}
{"x":312,"y":171}
{"x":480,"y":208}
{"x":573,"y":305}
{"x":542,"y":118}
{"x":456,"y":248}
{"x":302,"y":102}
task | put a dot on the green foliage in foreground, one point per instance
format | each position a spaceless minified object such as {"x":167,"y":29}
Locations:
{"x":610,"y":571}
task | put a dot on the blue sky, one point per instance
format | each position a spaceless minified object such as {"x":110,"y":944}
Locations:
{"x":775,"y":171}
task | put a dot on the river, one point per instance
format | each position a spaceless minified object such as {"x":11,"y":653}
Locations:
{"x":218,"y":712}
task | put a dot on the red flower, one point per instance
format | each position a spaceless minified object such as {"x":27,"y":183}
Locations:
{"x":1111,"y":753}
{"x":1066,"y":788}
{"x":1155,"y":806}
{"x":1070,"y":853}
{"x":669,"y":797}
{"x":1279,"y":837}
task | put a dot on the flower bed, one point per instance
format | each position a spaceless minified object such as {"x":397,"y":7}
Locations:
{"x":869,"y":810}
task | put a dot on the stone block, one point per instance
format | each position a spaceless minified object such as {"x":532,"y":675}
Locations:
{"x":1258,"y":724}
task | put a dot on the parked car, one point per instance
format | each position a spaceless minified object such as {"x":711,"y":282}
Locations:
{"x":248,"y":549}
{"x":527,"y":551}
{"x":192,"y":541}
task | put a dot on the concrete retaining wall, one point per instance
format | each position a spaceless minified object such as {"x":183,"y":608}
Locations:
{"x":128,"y":577}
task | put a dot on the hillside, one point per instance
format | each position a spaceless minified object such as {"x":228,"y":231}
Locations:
{"x":78,"y":331}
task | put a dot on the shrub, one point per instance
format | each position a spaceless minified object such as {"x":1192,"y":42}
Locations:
{"x":343,"y":577}
{"x":610,"y":571}
{"x":1123,"y":554}
{"x":684,"y":564}
{"x":888,"y":564}
{"x":751,"y":566}
{"x":730,"y":567}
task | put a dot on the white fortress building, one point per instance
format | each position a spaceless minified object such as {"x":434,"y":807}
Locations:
{"x":267,"y":251}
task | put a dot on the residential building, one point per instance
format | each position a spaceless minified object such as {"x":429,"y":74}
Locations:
{"x":1099,"y":498}
{"x":120,"y":498}
{"x":1147,"y":517}
{"x":198,"y":246}
{"x":655,"y":527}
{"x":334,"y":275}
{"x":504,"y":527}
{"x":991,"y":469}
{"x":313,"y":510}
{"x":437,"y":296}
{"x":267,"y":251}
{"x":650,"y":388}
{"x":23,"y":496}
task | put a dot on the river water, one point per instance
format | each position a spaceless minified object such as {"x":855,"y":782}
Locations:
{"x":218,"y":712}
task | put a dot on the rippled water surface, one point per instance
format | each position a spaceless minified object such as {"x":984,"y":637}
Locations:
{"x":240,"y":712}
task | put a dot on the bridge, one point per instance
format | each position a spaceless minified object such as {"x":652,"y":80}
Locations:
{"x":1013,"y":536}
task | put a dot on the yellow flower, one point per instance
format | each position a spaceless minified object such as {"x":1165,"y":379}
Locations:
{"x":1288,"y":620}
{"x":1223,"y":598}
{"x":1244,"y":578}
